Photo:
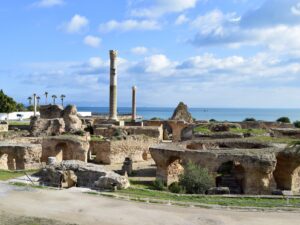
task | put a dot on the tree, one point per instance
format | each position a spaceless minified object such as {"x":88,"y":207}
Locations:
{"x":54,"y":97}
{"x":7,"y":104}
{"x":62,"y":97}
{"x":46,"y":99}
{"x":30,"y":100}
{"x":38,"y":98}
{"x":284,"y":120}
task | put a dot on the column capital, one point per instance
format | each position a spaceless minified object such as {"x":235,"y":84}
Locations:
{"x":113,"y":54}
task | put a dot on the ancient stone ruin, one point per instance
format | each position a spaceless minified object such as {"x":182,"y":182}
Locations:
{"x":77,"y":173}
{"x":54,"y":120}
{"x":245,"y":167}
{"x":181,"y":113}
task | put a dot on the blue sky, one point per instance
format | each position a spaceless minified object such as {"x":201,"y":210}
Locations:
{"x":207,"y":53}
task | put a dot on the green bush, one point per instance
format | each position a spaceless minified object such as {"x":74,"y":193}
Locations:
{"x":156,"y":118}
{"x":196,"y":180}
{"x":249,"y":120}
{"x":176,"y":188}
{"x":213,"y":121}
{"x":297,"y":124}
{"x":284,"y":120}
{"x":159,"y":185}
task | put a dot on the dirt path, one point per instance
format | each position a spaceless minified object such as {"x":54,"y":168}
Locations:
{"x":79,"y":208}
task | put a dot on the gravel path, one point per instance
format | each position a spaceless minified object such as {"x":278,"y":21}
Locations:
{"x":72,"y":207}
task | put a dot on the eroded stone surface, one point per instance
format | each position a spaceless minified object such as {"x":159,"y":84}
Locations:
{"x":181,"y":113}
{"x":87,"y":175}
{"x":15,"y":156}
{"x":253,"y":162}
{"x":55,"y":121}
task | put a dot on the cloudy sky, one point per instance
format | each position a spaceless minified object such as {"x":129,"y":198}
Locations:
{"x":207,"y":53}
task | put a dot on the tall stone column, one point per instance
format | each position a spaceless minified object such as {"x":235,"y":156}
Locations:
{"x":113,"y":86}
{"x":133,"y":114}
{"x":34,"y":104}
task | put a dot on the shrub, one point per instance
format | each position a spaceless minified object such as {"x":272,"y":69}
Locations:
{"x":176,"y":188}
{"x":249,"y":120}
{"x":159,"y":185}
{"x":284,"y":120}
{"x":156,"y":118}
{"x":196,"y":180}
{"x":297,"y":124}
{"x":212,"y":121}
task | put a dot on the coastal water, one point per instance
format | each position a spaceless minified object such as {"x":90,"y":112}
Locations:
{"x":221,"y":114}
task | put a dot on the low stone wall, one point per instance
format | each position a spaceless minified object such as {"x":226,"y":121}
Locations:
{"x":111,"y":131}
{"x":65,"y":148}
{"x":20,"y":156}
{"x":264,"y":125}
{"x":286,"y":132}
{"x":115,"y":151}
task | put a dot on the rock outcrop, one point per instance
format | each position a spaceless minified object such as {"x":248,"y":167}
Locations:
{"x":70,"y":173}
{"x":181,"y":113}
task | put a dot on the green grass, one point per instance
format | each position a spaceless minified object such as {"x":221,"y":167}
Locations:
{"x":19,"y":123}
{"x":7,"y":175}
{"x":251,"y":131}
{"x":97,"y":138}
{"x":141,"y":194}
{"x":203,"y":129}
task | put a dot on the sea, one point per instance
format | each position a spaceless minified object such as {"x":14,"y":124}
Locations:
{"x":219,"y":114}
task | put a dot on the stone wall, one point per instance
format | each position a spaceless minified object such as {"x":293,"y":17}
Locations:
{"x":54,"y":120}
{"x":115,"y":151}
{"x":111,"y":131}
{"x":65,"y":148}
{"x":20,"y":156}
{"x":264,"y":125}
{"x":258,"y":163}
{"x":3,"y":127}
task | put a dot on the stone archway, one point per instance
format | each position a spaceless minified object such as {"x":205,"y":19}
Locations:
{"x":231,"y":175}
{"x":287,"y":174}
{"x":61,"y":152}
{"x":174,"y":170}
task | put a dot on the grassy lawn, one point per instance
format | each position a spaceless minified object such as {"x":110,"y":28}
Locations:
{"x":203,"y":129}
{"x":251,"y":131}
{"x":19,"y":123}
{"x":152,"y":195}
{"x":7,"y":175}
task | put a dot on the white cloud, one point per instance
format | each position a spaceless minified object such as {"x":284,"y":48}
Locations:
{"x":181,"y":19}
{"x":48,"y":3}
{"x":214,"y":21}
{"x":96,"y":62}
{"x":92,"y":41}
{"x":139,"y":50}
{"x":156,"y":63}
{"x":77,"y":24}
{"x":128,"y":25}
{"x":296,"y":9}
{"x":161,"y":7}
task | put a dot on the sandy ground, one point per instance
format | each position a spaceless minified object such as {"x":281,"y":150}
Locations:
{"x":73,"y":207}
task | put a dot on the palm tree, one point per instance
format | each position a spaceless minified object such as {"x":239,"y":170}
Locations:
{"x":30,"y":100}
{"x":46,"y":99}
{"x":38,"y":98}
{"x":62,"y":99}
{"x":54,"y":97}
